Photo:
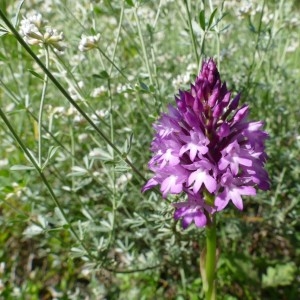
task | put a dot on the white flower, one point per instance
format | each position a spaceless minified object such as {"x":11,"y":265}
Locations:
{"x":88,"y":42}
{"x":36,"y":19}
{"x":32,"y":28}
{"x":96,"y":92}
{"x":123,"y":180}
{"x":52,"y":37}
{"x":31,"y":33}
{"x":82,"y":137}
{"x":3,"y":162}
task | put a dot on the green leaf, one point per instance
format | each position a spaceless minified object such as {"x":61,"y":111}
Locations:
{"x":130,"y":3}
{"x":93,"y":31}
{"x":77,"y":252}
{"x":3,"y":31}
{"x":3,"y":57}
{"x":78,"y":171}
{"x":21,"y":168}
{"x":202,"y":19}
{"x":52,"y":150}
{"x":144,"y":86}
{"x":202,"y":269}
{"x":102,"y":75}
{"x":33,"y":230}
{"x":211,"y":18}
{"x":101,"y":154}
{"x":15,"y":18}
{"x":280,"y":275}
{"x":36,"y":74}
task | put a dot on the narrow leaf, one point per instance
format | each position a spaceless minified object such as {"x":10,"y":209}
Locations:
{"x":35,"y":74}
{"x":211,"y":18}
{"x":15,"y":18}
{"x":130,"y":3}
{"x":21,"y":168}
{"x":202,"y":19}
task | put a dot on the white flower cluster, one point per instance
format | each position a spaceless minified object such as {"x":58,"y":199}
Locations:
{"x":184,"y":79}
{"x":88,"y":42}
{"x":35,"y":32}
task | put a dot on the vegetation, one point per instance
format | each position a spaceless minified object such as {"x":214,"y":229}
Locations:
{"x":75,"y":146}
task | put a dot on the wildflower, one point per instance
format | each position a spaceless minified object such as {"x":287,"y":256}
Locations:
{"x":88,"y":42}
{"x":206,"y":148}
{"x":35,"y":33}
{"x":97,"y":92}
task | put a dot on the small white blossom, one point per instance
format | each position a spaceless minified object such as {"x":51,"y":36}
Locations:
{"x":181,"y":80}
{"x":2,"y":267}
{"x":98,"y":91}
{"x":123,"y":180}
{"x":54,"y":38}
{"x":82,"y":137}
{"x":34,"y":33}
{"x":88,"y":42}
{"x":31,"y":33}
{"x":3,"y":162}
{"x":59,"y":110}
{"x":100,"y":113}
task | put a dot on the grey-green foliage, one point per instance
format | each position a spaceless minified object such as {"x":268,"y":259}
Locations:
{"x":104,"y":229}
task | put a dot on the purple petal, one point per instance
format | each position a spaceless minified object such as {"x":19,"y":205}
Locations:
{"x":200,"y":220}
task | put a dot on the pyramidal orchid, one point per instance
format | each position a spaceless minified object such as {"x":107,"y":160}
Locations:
{"x":207,"y":149}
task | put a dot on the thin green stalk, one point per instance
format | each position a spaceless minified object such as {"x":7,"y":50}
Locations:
{"x":202,"y":47}
{"x":72,"y":154}
{"x":67,"y":96}
{"x":40,"y":116}
{"x":45,"y":181}
{"x":157,"y":104}
{"x":218,"y":37}
{"x":93,"y":15}
{"x":101,"y":60}
{"x":143,"y":45}
{"x":118,"y":36}
{"x":157,"y":14}
{"x":255,"y":64}
{"x":210,"y":259}
{"x":117,"y":68}
{"x":113,"y":175}
{"x":11,"y":94}
{"x":192,"y":32}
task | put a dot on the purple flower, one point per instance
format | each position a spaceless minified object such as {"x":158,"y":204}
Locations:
{"x":206,"y":149}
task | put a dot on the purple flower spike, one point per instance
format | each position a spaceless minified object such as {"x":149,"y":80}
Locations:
{"x":205,"y":146}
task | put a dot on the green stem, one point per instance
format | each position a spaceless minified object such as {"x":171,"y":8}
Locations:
{"x":143,"y":45}
{"x":218,"y":36}
{"x":112,"y":63}
{"x":192,"y":32}
{"x":210,"y":259}
{"x":113,"y":175}
{"x":40,"y":117}
{"x":117,"y":38}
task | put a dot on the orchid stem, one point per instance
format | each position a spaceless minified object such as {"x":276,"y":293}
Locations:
{"x":210,"y":260}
